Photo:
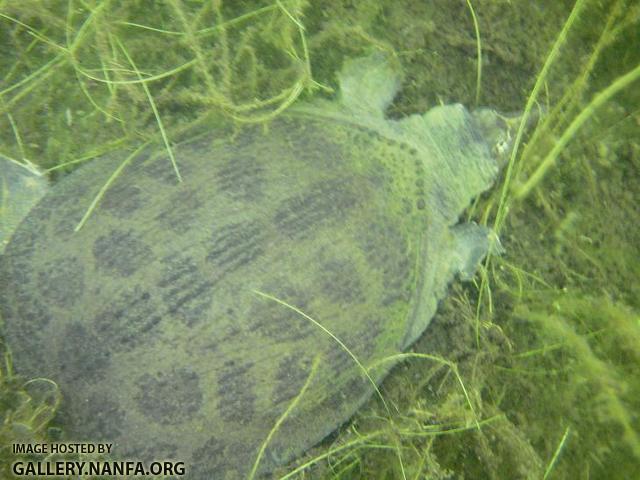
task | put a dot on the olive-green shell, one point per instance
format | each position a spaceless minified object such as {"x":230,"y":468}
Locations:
{"x":172,"y":321}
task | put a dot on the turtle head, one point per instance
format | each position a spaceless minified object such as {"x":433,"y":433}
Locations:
{"x":499,"y":130}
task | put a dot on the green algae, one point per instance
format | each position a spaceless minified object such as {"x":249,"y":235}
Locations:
{"x":545,"y":344}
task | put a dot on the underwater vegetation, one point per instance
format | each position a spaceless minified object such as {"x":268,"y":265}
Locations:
{"x":529,"y":372}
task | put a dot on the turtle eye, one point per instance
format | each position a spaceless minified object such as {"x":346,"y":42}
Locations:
{"x":502,"y":147}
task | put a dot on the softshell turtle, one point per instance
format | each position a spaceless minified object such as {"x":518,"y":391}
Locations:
{"x":178,"y":321}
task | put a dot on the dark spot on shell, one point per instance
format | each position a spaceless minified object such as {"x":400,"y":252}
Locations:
{"x":97,"y":424}
{"x":186,"y":292}
{"x":356,"y":389}
{"x":226,"y":459}
{"x":362,"y":342}
{"x":235,"y":245}
{"x":32,"y":318}
{"x":208,"y":458}
{"x":169,"y":398}
{"x":121,"y":253}
{"x":82,"y":356}
{"x":322,"y":202}
{"x":161,"y":169}
{"x":370,"y":332}
{"x":237,"y":453}
{"x":229,"y":329}
{"x":236,"y":402}
{"x":278,"y":322}
{"x":242,"y":178}
{"x":339,"y":360}
{"x":291,"y":375}
{"x":184,"y":210}
{"x":41,"y":213}
{"x":24,"y":240}
{"x":158,"y":450}
{"x":60,"y":209}
{"x":387,"y":250}
{"x":128,"y":320}
{"x":340,"y":281}
{"x":61,"y":281}
{"x":121,"y":200}
{"x":332,"y":404}
{"x":309,"y":145}
{"x":16,"y":270}
{"x":25,"y":319}
{"x":64,"y":224}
